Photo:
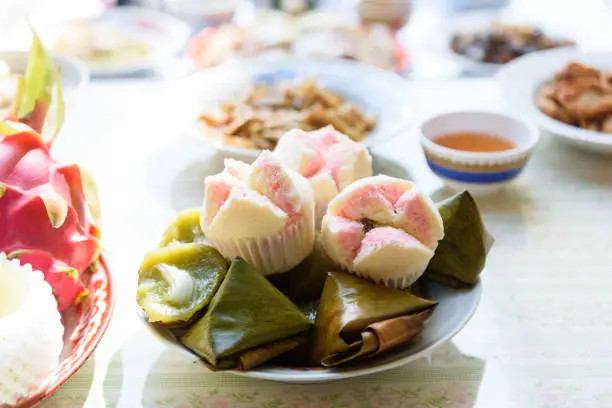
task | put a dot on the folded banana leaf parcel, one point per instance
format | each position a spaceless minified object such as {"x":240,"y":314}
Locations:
{"x":461,"y":255}
{"x":358,"y":319}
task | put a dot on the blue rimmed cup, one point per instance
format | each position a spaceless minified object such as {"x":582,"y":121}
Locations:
{"x":478,"y":171}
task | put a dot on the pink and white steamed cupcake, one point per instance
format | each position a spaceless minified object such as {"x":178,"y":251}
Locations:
{"x":329,"y":159}
{"x":263,"y":213}
{"x":384,"y":229}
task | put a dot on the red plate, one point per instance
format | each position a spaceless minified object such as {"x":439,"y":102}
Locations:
{"x":84,"y":325}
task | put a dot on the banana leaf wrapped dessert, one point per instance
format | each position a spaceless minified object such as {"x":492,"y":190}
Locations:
{"x":358,"y":319}
{"x":461,"y":254}
{"x":248,"y":322}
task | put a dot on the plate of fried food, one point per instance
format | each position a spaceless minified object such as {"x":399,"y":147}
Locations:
{"x":565,"y":92}
{"x":242,"y":109}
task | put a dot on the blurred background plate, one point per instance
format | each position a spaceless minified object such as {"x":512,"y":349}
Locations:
{"x":481,"y":21}
{"x":125,"y":40}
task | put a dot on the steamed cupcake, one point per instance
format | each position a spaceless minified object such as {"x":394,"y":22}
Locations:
{"x":31,"y":331}
{"x":262,"y":213}
{"x":329,"y":159}
{"x":384,"y":229}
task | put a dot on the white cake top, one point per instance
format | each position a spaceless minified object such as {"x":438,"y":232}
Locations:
{"x":251,"y":201}
{"x":383,"y":228}
{"x":328,"y":158}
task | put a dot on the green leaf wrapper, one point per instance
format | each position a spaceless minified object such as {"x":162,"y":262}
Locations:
{"x":461,"y":254}
{"x":248,"y":322}
{"x":305,"y":282}
{"x":358,"y":319}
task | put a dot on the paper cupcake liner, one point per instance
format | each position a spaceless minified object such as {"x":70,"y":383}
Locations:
{"x":320,"y":210}
{"x":394,"y":283}
{"x":274,"y":254}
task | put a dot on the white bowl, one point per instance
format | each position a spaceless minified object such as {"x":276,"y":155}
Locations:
{"x":521,"y":78}
{"x":378,"y":92}
{"x":75,"y":74}
{"x":479,"y":172}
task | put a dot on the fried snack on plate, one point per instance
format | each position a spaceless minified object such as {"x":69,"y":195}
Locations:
{"x":578,"y":95}
{"x":259,"y":119}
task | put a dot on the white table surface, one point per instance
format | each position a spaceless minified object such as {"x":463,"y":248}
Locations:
{"x":541,"y":337}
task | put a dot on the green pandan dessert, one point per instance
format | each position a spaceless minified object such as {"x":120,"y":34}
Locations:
{"x":185,"y":228}
{"x":176,"y":282}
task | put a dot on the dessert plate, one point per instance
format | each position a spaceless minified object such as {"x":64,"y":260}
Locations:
{"x":85,"y":325}
{"x":520,"y":79}
{"x":454,"y":310}
{"x":375,"y":91}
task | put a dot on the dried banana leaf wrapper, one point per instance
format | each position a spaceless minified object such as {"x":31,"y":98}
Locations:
{"x":247,"y":323}
{"x":358,"y":319}
{"x":461,"y":255}
{"x":305,"y":282}
{"x":300,"y":356}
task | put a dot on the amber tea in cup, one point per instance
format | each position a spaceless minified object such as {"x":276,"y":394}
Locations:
{"x":474,"y":142}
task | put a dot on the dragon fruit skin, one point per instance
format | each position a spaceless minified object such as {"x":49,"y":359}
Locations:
{"x":44,"y":216}
{"x":36,"y":119}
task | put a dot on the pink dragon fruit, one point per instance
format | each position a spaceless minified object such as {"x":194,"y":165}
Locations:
{"x":45,"y":219}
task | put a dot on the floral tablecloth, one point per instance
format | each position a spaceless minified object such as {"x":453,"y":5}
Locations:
{"x":542,"y":334}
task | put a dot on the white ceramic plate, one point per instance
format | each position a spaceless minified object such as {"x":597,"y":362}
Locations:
{"x":164,"y":35}
{"x":520,"y":79}
{"x":454,"y":310}
{"x":378,"y":92}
